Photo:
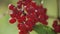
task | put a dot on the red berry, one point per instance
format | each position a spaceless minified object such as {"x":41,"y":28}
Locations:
{"x":29,"y":10}
{"x":11,"y":7}
{"x":29,"y":25}
{"x":45,"y":23}
{"x":19,"y":4}
{"x":12,"y":14}
{"x":33,"y":4}
{"x":55,"y":23}
{"x":12,"y":20}
{"x":41,"y":6}
{"x":57,"y":28}
{"x":22,"y":27}
{"x":27,"y":13}
{"x":27,"y":2}
{"x":21,"y":19}
{"x":29,"y":28}
{"x":19,"y":12}
{"x":23,"y":32}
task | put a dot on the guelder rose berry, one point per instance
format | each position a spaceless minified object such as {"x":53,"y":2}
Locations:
{"x":11,"y":7}
{"x":22,"y":27}
{"x":12,"y":20}
{"x":57,"y":29}
{"x":27,"y":13}
{"x":56,"y":26}
{"x":19,"y":4}
{"x":23,"y":32}
{"x":55,"y":23}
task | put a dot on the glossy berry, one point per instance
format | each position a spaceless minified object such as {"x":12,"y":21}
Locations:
{"x":29,"y":25}
{"x":57,"y":29}
{"x":29,"y":28}
{"x":56,"y":26}
{"x":21,"y":19}
{"x":19,"y":4}
{"x":11,"y":7}
{"x":12,"y":14}
{"x":12,"y":20}
{"x":55,"y":23}
{"x":22,"y":27}
{"x":23,"y":32}
{"x":45,"y":23}
{"x":27,"y":13}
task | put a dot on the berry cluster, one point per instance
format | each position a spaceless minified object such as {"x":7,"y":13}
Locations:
{"x":27,"y":13}
{"x":56,"y":26}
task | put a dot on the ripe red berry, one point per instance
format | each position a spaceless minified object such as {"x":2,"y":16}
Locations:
{"x":11,"y":7}
{"x":23,"y":32}
{"x":21,"y":19}
{"x":26,"y":2}
{"x":41,"y":6}
{"x":29,"y":28}
{"x":29,"y":25}
{"x":12,"y":20}
{"x":27,"y":13}
{"x":45,"y":23}
{"x":21,"y":27}
{"x":19,"y":4}
{"x":12,"y":14}
{"x":57,"y":28}
{"x":55,"y":23}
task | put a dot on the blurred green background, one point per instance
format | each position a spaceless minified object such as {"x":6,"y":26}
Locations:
{"x":7,"y":28}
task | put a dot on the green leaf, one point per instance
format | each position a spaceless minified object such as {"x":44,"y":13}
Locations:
{"x":42,"y":29}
